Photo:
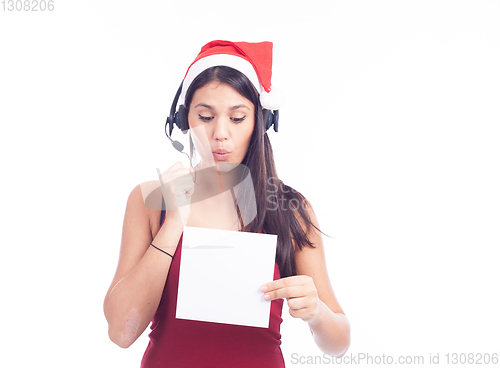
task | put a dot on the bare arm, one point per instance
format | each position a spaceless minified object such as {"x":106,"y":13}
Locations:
{"x":310,"y":297}
{"x":329,"y":325}
{"x":136,"y":289}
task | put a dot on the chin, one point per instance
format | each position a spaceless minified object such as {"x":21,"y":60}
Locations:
{"x":224,"y":166}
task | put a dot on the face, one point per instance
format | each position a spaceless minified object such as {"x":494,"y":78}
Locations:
{"x":221,"y":121}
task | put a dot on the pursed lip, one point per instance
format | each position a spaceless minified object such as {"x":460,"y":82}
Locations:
{"x":221,"y":154}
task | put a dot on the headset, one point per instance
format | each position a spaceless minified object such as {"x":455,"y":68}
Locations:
{"x":179,"y":118}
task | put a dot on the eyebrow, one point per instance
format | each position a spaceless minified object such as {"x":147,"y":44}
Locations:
{"x":204,"y":105}
{"x":236,"y":107}
{"x":239,"y":107}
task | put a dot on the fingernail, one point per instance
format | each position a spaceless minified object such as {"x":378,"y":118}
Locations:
{"x":263,"y":288}
{"x":267,"y":297}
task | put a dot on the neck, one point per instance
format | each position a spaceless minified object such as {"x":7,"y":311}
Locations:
{"x":212,"y":181}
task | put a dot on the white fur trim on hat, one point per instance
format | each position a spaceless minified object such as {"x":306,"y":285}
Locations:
{"x":232,"y":61}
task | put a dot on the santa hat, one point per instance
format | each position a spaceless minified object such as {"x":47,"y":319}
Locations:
{"x":252,"y":59}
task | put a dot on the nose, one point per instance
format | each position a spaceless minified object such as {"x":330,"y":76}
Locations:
{"x":221,"y":129}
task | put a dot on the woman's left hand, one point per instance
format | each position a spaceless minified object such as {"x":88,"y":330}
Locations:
{"x":300,"y":293}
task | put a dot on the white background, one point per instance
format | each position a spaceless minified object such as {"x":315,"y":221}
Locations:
{"x":390,"y":129}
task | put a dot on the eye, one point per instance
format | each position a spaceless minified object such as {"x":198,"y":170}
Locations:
{"x":205,"y":118}
{"x":238,"y":120}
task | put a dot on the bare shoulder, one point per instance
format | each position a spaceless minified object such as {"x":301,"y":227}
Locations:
{"x":309,"y":223}
{"x":143,"y":207}
{"x":141,"y":222}
{"x":146,"y":201}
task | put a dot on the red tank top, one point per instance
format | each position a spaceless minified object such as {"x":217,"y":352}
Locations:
{"x":181,"y":343}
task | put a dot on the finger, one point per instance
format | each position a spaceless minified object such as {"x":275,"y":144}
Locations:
{"x":178,"y":191}
{"x":286,"y":293}
{"x":177,"y":166}
{"x":284,"y":282}
{"x":183,"y":185}
{"x":297,"y":303}
{"x":304,"y":313}
{"x":175,"y":175}
{"x":170,"y":175}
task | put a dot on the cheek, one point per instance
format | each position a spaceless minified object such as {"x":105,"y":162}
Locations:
{"x":201,"y":143}
{"x":246,"y":137}
{"x":192,"y":120}
{"x":248,"y":133}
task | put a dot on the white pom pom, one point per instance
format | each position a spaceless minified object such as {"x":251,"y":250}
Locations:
{"x":272,"y":100}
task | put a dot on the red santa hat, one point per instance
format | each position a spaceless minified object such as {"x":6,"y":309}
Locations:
{"x":252,"y":59}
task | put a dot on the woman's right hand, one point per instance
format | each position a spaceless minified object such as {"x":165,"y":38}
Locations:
{"x":177,"y":187}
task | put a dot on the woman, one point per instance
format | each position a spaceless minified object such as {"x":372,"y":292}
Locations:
{"x":221,"y":103}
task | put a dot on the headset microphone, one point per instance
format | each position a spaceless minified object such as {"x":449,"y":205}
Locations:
{"x":172,"y":119}
{"x":177,"y":145}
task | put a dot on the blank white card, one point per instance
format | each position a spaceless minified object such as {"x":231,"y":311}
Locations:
{"x":220,"y":276}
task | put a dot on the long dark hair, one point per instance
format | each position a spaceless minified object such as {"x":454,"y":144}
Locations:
{"x":281,"y":210}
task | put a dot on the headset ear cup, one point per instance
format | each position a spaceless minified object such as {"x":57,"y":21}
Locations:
{"x":276,"y":117}
{"x":181,"y":119}
{"x":268,"y":118}
{"x":271,"y":118}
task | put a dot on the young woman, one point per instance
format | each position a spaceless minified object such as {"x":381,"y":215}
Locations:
{"x":223,"y":101}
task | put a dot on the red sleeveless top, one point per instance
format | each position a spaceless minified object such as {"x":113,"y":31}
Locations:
{"x":181,"y":343}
